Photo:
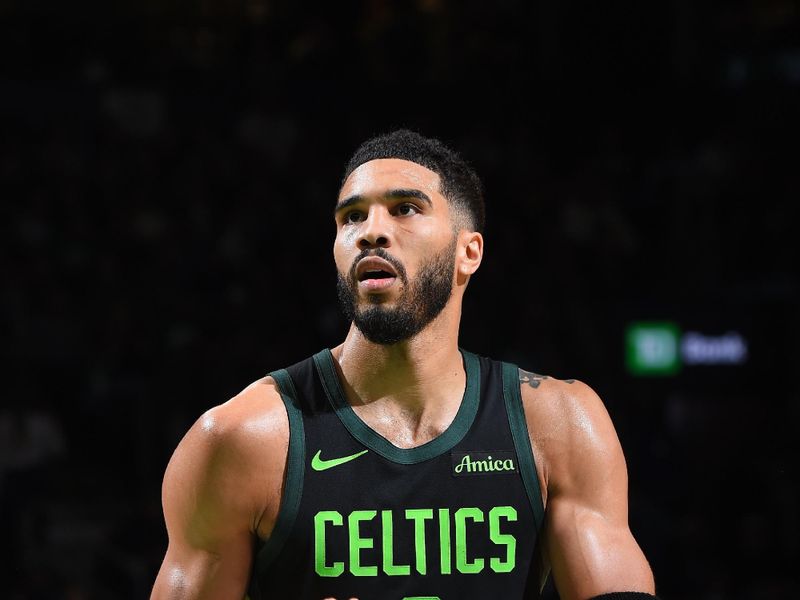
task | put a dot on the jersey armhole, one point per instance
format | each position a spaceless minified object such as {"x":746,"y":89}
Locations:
{"x":293,"y":487}
{"x":522,"y":440}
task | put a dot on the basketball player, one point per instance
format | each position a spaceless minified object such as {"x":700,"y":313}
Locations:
{"x":399,"y":465}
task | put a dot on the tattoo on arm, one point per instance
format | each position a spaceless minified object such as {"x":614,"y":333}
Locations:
{"x":534,"y":379}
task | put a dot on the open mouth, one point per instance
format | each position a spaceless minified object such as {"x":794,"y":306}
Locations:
{"x":377,"y":280}
{"x":374,"y":273}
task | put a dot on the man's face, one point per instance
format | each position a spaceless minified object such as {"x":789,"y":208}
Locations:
{"x":394,"y":250}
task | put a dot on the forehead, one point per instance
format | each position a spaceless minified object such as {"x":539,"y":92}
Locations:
{"x":383,"y":174}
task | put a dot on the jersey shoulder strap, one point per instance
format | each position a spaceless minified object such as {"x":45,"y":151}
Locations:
{"x":293,"y":486}
{"x":522,"y":440}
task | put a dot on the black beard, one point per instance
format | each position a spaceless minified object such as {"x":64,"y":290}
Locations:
{"x":419,"y":303}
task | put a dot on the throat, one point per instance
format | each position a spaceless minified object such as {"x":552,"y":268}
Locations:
{"x":408,"y":395}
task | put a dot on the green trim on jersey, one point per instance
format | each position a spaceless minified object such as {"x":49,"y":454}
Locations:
{"x":295,"y":466}
{"x":522,"y":440}
{"x":324,"y":362}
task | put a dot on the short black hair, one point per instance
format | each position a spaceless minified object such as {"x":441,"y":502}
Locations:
{"x":459,"y":183}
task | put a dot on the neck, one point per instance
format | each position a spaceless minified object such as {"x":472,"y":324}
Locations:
{"x":415,"y":374}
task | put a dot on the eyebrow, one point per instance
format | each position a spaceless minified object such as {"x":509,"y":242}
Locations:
{"x":388,"y":195}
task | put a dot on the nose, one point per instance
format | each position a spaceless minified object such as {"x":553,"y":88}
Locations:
{"x":375,"y":230}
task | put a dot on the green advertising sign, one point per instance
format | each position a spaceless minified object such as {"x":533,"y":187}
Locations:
{"x":653,"y":348}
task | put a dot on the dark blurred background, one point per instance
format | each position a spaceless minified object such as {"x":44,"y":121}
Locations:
{"x":168,"y":171}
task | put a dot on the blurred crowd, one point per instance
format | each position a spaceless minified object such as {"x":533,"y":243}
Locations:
{"x":168,"y":173}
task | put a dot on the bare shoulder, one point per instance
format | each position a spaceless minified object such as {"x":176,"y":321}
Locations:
{"x":560,"y":404}
{"x":255,"y":414}
{"x":252,"y":421}
{"x":569,"y":425}
{"x":234,"y":456}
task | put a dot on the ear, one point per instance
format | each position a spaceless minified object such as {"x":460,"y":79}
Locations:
{"x":470,"y":253}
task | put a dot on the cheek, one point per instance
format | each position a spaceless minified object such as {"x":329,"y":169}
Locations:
{"x":346,"y":239}
{"x":340,"y":256}
{"x":423,"y":237}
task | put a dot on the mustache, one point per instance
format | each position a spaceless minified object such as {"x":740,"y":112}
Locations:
{"x":380,"y":253}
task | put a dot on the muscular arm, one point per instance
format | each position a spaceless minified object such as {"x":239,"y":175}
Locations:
{"x":217,"y":489}
{"x":587,"y":541}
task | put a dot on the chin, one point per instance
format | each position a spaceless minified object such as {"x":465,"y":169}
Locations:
{"x":372,"y":298}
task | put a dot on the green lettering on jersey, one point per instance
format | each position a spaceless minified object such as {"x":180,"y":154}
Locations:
{"x":335,"y":518}
{"x":418,"y":515}
{"x":462,"y":564}
{"x":444,"y":541}
{"x":510,"y":542}
{"x":487,"y":465}
{"x":357,"y":543}
{"x":387,"y":533}
{"x":465,"y":536}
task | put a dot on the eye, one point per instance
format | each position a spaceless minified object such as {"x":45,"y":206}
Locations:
{"x":407,"y":209}
{"x":354,"y":216}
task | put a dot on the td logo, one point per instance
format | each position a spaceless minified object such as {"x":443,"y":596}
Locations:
{"x":653,"y":348}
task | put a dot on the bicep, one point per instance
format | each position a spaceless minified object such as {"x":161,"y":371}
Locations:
{"x":587,"y":540}
{"x":208,"y":525}
{"x":592,"y":553}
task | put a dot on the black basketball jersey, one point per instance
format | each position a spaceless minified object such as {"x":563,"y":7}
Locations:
{"x":456,"y":518}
